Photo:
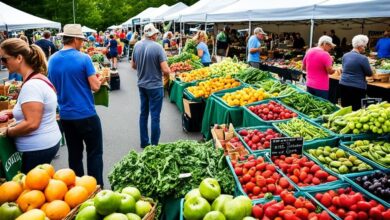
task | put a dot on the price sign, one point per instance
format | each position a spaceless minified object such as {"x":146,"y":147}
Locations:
{"x":135,"y":21}
{"x":369,"y":101}
{"x":286,"y":146}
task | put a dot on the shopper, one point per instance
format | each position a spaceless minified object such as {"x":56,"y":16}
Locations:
{"x":203,"y":50}
{"x":223,"y":41}
{"x":298,"y":42}
{"x":73,"y":75}
{"x":167,"y":40}
{"x":383,"y":46}
{"x":356,"y":67}
{"x":318,"y":65}
{"x":113,"y":51}
{"x":47,"y":46}
{"x":254,"y":47}
{"x":151,"y":63}
{"x":36,"y":133}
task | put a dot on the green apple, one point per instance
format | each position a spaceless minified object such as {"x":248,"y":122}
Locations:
{"x":142,"y":208}
{"x":220,"y":202}
{"x":214,"y":215}
{"x":134,"y":192}
{"x":248,"y":218}
{"x":127,"y":204}
{"x":88,"y":213}
{"x":209,"y":189}
{"x":9,"y":211}
{"x":132,"y":216}
{"x":107,"y":202}
{"x":233,"y":210}
{"x":196,"y":208}
{"x":116,"y":216}
{"x":246,"y":202}
{"x":87,"y":203}
{"x":192,"y":193}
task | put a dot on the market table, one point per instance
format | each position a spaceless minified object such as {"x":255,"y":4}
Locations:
{"x":284,"y":73}
{"x":374,"y":89}
{"x":176,"y":93}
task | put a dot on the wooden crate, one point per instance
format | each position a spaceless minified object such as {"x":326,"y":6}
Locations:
{"x":72,"y":214}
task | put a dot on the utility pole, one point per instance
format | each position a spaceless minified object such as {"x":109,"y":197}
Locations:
{"x":74,"y":14}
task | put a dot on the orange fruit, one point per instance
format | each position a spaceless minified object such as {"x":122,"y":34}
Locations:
{"x":55,"y":190}
{"x":48,"y":167}
{"x":68,"y":176}
{"x":10,"y":191}
{"x":57,"y":210}
{"x":44,"y":206}
{"x":75,"y":196}
{"x":37,"y":179}
{"x":88,"y":182}
{"x":34,"y":214}
{"x":33,"y":199}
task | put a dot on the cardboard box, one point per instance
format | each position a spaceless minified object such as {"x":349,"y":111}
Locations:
{"x":4,"y":105}
{"x":194,"y":109}
{"x":222,"y":136}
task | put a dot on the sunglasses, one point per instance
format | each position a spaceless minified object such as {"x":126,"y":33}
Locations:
{"x":4,"y":59}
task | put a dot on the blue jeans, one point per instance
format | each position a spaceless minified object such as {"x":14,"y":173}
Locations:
{"x":317,"y":92}
{"x":151,"y":101}
{"x":32,"y":159}
{"x":88,"y":131}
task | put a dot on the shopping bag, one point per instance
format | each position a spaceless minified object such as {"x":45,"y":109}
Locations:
{"x":11,"y":159}
{"x":101,"y":97}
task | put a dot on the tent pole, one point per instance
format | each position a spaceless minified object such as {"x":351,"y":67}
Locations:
{"x":205,"y":23}
{"x":311,"y":32}
{"x":249,"y":34}
{"x":363,"y":26}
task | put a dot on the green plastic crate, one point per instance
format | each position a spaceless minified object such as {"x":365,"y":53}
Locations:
{"x":345,"y":146}
{"x":192,"y":98}
{"x":362,"y":189}
{"x":331,"y":136}
{"x":331,"y":143}
{"x":251,"y":119}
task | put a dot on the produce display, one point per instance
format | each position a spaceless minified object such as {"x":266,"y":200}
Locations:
{"x":272,"y":111}
{"x":252,"y":75}
{"x":228,"y":66}
{"x":258,"y":140}
{"x":180,"y":66}
{"x":338,"y":160}
{"x":377,"y":151}
{"x":301,"y":128}
{"x":259,"y":179}
{"x":190,"y":47}
{"x":98,"y":58}
{"x":108,"y":204}
{"x":156,"y":170}
{"x":290,"y":207}
{"x":378,"y":183}
{"x":206,"y":202}
{"x":194,"y":75}
{"x":348,"y":204}
{"x":244,"y":96}
{"x":309,"y":105}
{"x":235,"y":148}
{"x":374,"y":118}
{"x":302,"y":171}
{"x":44,"y":192}
{"x":276,"y":88}
{"x":206,"y":88}
{"x":182,"y":58}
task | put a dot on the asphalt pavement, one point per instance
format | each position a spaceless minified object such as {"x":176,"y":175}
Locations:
{"x":120,"y":123}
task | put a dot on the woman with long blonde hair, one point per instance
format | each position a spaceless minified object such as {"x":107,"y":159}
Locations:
{"x":202,"y":49}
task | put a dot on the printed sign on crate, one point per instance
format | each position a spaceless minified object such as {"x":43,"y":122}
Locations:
{"x":286,"y":146}
{"x":369,"y":101}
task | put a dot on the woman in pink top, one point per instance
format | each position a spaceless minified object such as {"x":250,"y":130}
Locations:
{"x":318,"y":65}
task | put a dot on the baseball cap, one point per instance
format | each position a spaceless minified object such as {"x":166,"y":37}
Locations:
{"x":259,"y":30}
{"x":150,"y":30}
{"x":327,"y":40}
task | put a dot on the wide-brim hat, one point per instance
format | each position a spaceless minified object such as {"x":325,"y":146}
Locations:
{"x":72,"y":30}
{"x":150,"y":30}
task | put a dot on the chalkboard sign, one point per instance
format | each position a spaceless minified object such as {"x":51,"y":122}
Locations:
{"x":286,"y":146}
{"x":369,"y":101}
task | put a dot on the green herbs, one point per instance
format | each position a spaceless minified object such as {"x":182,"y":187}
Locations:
{"x":156,"y":171}
{"x":276,"y":88}
{"x":190,"y":47}
{"x":252,"y":75}
{"x":309,"y":105}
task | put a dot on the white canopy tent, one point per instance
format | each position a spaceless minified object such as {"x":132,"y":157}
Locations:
{"x":113,"y":27}
{"x":145,"y":15}
{"x":13,"y":19}
{"x":173,"y":9}
{"x":86,"y":29}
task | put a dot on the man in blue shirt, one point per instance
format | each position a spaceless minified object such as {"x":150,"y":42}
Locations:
{"x":254,"y":47}
{"x":383,"y":46}
{"x":73,"y":75}
{"x":150,"y":61}
{"x":47,"y":46}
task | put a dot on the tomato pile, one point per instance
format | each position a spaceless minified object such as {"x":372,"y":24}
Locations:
{"x":258,"y":178}
{"x":290,"y":208}
{"x":258,"y":140}
{"x":302,"y":171}
{"x":180,"y":66}
{"x":272,"y":111}
{"x":349,"y":205}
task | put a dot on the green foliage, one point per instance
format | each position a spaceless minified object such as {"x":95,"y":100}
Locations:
{"x":96,"y":14}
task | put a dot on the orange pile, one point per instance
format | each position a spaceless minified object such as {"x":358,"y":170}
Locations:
{"x":54,"y":193}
